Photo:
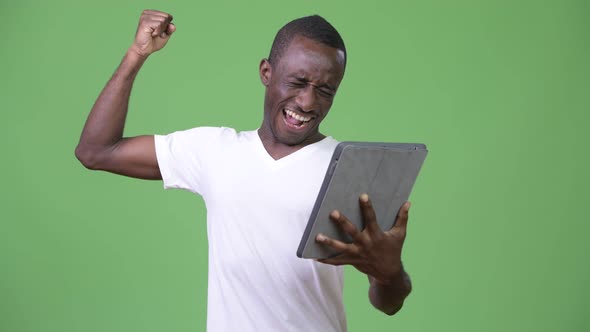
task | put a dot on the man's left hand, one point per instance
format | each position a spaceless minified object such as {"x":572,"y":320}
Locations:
{"x":372,"y":251}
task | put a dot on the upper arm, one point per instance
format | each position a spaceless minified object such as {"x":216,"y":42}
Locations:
{"x":132,"y":156}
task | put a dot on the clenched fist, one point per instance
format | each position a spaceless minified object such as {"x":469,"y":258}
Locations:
{"x":153,"y":32}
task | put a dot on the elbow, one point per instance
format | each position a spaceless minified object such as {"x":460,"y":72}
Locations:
{"x":393,"y":310}
{"x":88,"y":157}
{"x":390,"y":299}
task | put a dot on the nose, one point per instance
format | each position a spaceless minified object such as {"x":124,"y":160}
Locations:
{"x":306,"y":99}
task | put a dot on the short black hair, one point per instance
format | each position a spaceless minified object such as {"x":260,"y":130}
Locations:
{"x":313,"y":27}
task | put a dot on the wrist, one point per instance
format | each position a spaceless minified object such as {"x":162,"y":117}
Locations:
{"x":396,"y":277}
{"x":135,"y":54}
{"x":130,"y":65}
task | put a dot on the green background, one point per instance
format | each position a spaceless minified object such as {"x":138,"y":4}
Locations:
{"x":498,"y":90}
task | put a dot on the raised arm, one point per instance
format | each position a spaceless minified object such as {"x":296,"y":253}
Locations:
{"x":102,"y":146}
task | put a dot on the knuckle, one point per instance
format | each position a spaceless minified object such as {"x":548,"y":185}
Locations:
{"x":367,"y":243}
{"x":357,"y":251}
{"x":352,"y":229}
{"x":359,"y":237}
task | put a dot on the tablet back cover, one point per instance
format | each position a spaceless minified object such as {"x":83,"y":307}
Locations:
{"x":385,"y":171}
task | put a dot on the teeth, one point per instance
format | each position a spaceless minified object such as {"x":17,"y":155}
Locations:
{"x":297,"y":116}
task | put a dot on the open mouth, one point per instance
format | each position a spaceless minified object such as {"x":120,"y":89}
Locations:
{"x":294,"y":120}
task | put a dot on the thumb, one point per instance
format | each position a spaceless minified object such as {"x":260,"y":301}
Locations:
{"x":171,"y":28}
{"x":169,"y":31}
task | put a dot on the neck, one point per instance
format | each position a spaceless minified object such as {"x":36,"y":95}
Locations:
{"x":278,"y":150}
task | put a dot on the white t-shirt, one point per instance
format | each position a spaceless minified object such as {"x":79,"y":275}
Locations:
{"x":257,"y":210}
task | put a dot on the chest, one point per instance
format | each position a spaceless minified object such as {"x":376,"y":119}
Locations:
{"x":250,"y":182}
{"x":260,"y":203}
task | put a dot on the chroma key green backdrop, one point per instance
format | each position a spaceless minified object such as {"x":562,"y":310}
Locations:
{"x":498,"y":90}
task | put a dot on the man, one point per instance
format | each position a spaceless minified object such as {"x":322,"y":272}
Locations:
{"x":259,"y":186}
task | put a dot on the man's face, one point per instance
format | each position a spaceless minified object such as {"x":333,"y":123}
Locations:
{"x":300,"y":89}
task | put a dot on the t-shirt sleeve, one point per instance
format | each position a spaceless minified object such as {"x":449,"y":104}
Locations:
{"x":182,"y":156}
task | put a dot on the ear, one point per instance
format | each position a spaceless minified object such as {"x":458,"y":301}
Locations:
{"x":265,"y":72}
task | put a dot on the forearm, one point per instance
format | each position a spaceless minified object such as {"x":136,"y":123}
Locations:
{"x":106,"y":121}
{"x":390,"y":297}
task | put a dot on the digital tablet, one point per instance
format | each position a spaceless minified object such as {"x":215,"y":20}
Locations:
{"x":385,"y":171}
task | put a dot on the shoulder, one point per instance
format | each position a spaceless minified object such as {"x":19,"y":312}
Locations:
{"x":200,"y":135}
{"x":205,"y":139}
{"x":205,"y":132}
{"x":328,"y":144}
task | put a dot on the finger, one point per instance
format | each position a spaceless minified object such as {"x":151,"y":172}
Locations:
{"x":150,"y":12}
{"x":169,"y":30}
{"x":335,"y":244}
{"x":368,"y":213}
{"x":402,"y":216}
{"x":331,"y":261}
{"x":157,"y":23}
{"x":156,"y":16}
{"x":168,"y":26}
{"x":159,"y":26}
{"x":343,"y":259}
{"x":152,"y":25}
{"x":344,"y":224}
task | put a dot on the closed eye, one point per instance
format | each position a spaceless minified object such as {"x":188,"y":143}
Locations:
{"x":326,"y":93}
{"x":324,"y":90}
